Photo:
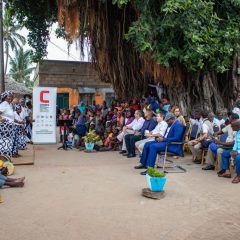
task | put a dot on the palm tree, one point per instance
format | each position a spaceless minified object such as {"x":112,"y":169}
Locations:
{"x":11,"y":37}
{"x":20,"y":65}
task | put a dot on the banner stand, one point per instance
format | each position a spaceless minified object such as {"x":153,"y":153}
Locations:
{"x":44,"y":113}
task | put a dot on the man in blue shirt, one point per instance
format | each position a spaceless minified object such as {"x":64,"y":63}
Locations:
{"x":235,"y":153}
{"x":130,"y":139}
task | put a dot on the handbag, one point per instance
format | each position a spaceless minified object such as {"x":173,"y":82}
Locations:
{"x":205,"y":144}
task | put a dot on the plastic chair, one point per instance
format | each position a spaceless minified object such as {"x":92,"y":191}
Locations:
{"x":216,"y":128}
{"x":223,"y":126}
{"x":193,"y":134}
{"x":171,"y":154}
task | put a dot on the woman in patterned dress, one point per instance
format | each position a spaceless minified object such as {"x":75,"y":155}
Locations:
{"x":20,"y":128}
{"x":7,"y":126}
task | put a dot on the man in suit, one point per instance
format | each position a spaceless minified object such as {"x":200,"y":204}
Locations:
{"x":173,"y":133}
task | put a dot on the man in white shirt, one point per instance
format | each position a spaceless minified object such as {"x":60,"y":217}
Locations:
{"x":220,"y":119}
{"x":134,"y":126}
{"x":197,"y":119}
{"x":158,"y":131}
{"x":206,"y":133}
{"x":213,"y":120}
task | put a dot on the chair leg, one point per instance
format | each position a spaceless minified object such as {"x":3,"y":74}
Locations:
{"x":216,"y":163}
{"x":202,"y":157}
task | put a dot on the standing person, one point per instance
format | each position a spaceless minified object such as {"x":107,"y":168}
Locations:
{"x":206,"y":133}
{"x":82,"y":107}
{"x":24,"y":112}
{"x":104,"y":111}
{"x":65,"y":114}
{"x":7,"y":126}
{"x":81,"y":129}
{"x":19,"y":128}
{"x":176,"y":111}
{"x":237,"y":108}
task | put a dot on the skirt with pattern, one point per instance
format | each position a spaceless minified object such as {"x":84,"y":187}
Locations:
{"x":7,"y":133}
{"x":19,"y":141}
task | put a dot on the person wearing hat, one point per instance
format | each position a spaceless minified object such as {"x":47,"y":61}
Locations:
{"x":7,"y":126}
{"x":173,"y":133}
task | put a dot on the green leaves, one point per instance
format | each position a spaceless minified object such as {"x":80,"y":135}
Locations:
{"x":153,"y":173}
{"x":200,"y":34}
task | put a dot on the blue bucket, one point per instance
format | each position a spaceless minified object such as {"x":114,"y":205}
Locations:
{"x":69,"y":143}
{"x":156,"y":184}
{"x":89,"y":146}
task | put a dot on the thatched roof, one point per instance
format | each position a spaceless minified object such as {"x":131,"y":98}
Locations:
{"x":16,"y":87}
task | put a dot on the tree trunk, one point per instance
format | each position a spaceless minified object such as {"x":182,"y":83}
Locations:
{"x":7,"y":52}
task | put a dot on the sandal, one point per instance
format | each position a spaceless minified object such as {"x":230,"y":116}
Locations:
{"x":225,"y":175}
{"x":236,"y":180}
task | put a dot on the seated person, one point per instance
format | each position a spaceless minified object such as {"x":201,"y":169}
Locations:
{"x":210,"y":159}
{"x":107,"y":145}
{"x":134,"y":126}
{"x":99,"y":128}
{"x":206,"y":132}
{"x":4,"y":180}
{"x":235,"y":153}
{"x":130,"y":139}
{"x":158,"y":131}
{"x":92,"y":128}
{"x":173,"y":133}
{"x":213,"y":120}
{"x":220,"y":119}
{"x":75,"y":140}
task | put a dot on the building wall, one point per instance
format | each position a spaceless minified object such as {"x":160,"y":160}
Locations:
{"x":67,"y":76}
{"x":73,"y":95}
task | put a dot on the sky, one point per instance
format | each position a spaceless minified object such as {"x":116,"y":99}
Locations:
{"x":57,"y":48}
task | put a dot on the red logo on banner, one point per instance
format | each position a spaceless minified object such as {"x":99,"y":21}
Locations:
{"x":41,"y":97}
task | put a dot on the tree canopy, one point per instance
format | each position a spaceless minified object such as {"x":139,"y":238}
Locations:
{"x":189,"y":46}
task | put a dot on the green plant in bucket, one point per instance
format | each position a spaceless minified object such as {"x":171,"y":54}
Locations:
{"x":153,"y":173}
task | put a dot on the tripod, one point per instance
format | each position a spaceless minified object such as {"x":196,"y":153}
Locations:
{"x":64,"y":123}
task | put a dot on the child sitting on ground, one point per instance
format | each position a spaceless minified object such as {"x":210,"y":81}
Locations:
{"x":75,"y":141}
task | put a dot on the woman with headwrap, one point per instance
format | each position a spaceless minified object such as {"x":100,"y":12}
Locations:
{"x":7,"y":126}
{"x":19,"y":129}
{"x":82,"y":107}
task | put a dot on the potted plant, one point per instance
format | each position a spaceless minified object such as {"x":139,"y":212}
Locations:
{"x":89,"y":141}
{"x":156,"y":180}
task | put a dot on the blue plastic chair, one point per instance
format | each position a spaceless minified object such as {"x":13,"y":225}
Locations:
{"x":216,"y":128}
{"x":194,"y":131}
{"x":222,"y":126}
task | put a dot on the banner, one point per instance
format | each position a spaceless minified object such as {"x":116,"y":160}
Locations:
{"x":44,"y":113}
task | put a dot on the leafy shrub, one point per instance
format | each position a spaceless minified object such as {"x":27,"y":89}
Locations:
{"x":90,"y":138}
{"x":153,"y":173}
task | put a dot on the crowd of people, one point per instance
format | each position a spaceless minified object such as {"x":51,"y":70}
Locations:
{"x":141,"y":125}
{"x":15,"y":132}
{"x":147,"y":124}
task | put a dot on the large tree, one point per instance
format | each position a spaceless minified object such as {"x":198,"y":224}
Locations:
{"x":190,"y":46}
